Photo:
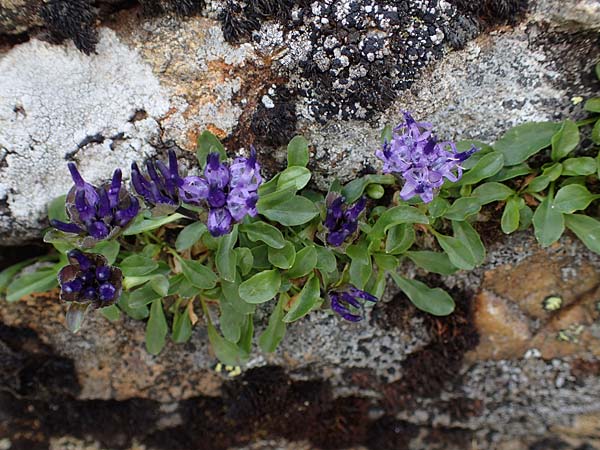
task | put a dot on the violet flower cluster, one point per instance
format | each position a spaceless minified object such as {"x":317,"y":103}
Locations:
{"x":415,"y":154}
{"x":341,"y":220}
{"x":99,"y":212}
{"x":161,"y":186}
{"x":230,"y":192}
{"x":89,"y":279}
{"x":348,"y":301}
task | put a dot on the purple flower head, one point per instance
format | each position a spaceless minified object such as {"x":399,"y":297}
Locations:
{"x":341,"y":221}
{"x":415,"y":154}
{"x":228,"y":191}
{"x":98,"y":212}
{"x":161,"y":185}
{"x":88,"y":279}
{"x":348,"y":302}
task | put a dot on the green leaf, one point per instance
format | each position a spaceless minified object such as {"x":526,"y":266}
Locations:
{"x":57,"y":210}
{"x":142,"y":296}
{"x":309,"y":296}
{"x":198,"y":274}
{"x":182,"y":326}
{"x":523,"y":141}
{"x":225,"y":259}
{"x":596,"y":132}
{"x":41,"y":280}
{"x":297,"y":152}
{"x":263,"y":232}
{"x":538,"y":184}
{"x":273,"y":199}
{"x":438,"y":206}
{"x":509,"y":173}
{"x":386,"y":262}
{"x":433,"y":301}
{"x":394,"y":216}
{"x":275,"y":331}
{"x":597,"y":70}
{"x":585,"y":228}
{"x":112,"y":313}
{"x":592,"y":105}
{"x":208,"y":143}
{"x":583,"y":165}
{"x":137,"y":266}
{"x":353,"y":190}
{"x":261,"y":287}
{"x":553,"y":172}
{"x":463,"y":208}
{"x":156,"y":328}
{"x":227,"y":352}
{"x":231,"y":321}
{"x":189,"y":236}
{"x":231,"y":294}
{"x":511,"y":215}
{"x":387,"y":134}
{"x":457,"y":251}
{"x":109,"y":249}
{"x":360,"y":265}
{"x":245,"y":342}
{"x":295,"y":177}
{"x":433,"y":262}
{"x":492,"y":192}
{"x":295,"y":211}
{"x":260,"y":257}
{"x":325,"y":262}
{"x":573,"y":197}
{"x":305,"y":261}
{"x":565,"y":140}
{"x":548,"y":222}
{"x":142,"y":225}
{"x":399,"y":238}
{"x":525,"y":217}
{"x":245,"y":259}
{"x":140,"y":313}
{"x":486,"y":167}
{"x":160,"y":285}
{"x":467,"y":234}
{"x":282,"y":257}
{"x":9,"y":273}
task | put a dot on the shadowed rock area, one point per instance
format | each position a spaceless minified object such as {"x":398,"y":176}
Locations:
{"x":107,"y":82}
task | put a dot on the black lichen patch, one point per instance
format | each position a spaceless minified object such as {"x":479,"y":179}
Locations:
{"x":274,"y":121}
{"x":239,"y":19}
{"x":71,"y":19}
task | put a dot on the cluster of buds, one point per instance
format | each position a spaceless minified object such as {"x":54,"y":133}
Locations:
{"x":341,"y":220}
{"x":347,"y":302}
{"x":415,"y":154}
{"x":89,"y":280}
{"x":97,"y":212}
{"x":229,"y":192}
{"x":160,"y":188}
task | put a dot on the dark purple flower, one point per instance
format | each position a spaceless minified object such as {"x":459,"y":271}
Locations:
{"x":229,"y":192}
{"x":347,"y":302}
{"x":161,"y":186}
{"x":420,"y":160}
{"x":88,"y":279}
{"x":100,"y":212}
{"x":341,"y":221}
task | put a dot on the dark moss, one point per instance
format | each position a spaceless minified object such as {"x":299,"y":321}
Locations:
{"x":71,"y":19}
{"x":492,"y":12}
{"x":180,"y":7}
{"x":275,"y":125}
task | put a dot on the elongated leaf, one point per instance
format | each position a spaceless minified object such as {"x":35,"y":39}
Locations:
{"x":548,"y":222}
{"x":463,"y":208}
{"x":156,"y":328}
{"x":465,"y":232}
{"x":261,"y":287}
{"x":231,"y":321}
{"x":486,"y":167}
{"x":225,"y":258}
{"x":523,"y":141}
{"x":592,"y":105}
{"x":326,"y":261}
{"x":57,"y":210}
{"x":596,"y":133}
{"x":208,"y":143}
{"x":142,"y":296}
{"x":245,"y":259}
{"x":190,"y":235}
{"x":433,"y":261}
{"x":140,"y":226}
{"x":297,"y":152}
{"x":137,"y":266}
{"x":108,"y":249}
{"x":394,"y":216}
{"x":438,"y":206}
{"x":9,"y":273}
{"x":457,"y":251}
{"x":283,"y":258}
{"x":399,"y":238}
{"x":182,"y":326}
{"x":198,"y":274}
{"x":112,"y":313}
{"x":227,"y":352}
{"x":353,"y":190}
{"x":565,"y":140}
{"x":585,"y":228}
{"x":273,"y":199}
{"x":309,"y":296}
{"x":135,"y":313}
{"x":360,"y":265}
{"x":304,"y":262}
{"x":583,"y":165}
{"x":508,"y":173}
{"x":160,"y":285}
{"x":232,"y":295}
{"x":295,"y":211}
{"x":511,"y":216}
{"x":275,"y":331}
{"x":433,"y":301}
{"x":39,"y":281}
{"x":295,"y":177}
{"x":573,"y":197}
{"x":492,"y":192}
{"x":263,"y":232}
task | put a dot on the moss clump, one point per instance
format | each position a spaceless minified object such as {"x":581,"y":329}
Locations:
{"x":71,"y":19}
